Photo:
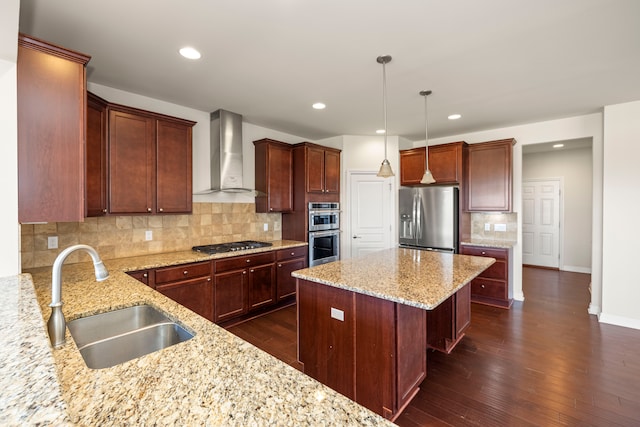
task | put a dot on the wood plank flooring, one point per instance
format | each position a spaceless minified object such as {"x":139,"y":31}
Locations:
{"x":545,"y":362}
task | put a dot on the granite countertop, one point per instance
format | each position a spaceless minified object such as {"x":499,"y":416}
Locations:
{"x":422,"y":279}
{"x":489,"y":243}
{"x":213,"y":379}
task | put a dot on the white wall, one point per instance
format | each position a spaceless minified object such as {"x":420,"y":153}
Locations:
{"x":621,"y":198}
{"x":574,"y":166}
{"x":9,"y":227}
{"x":587,"y":126}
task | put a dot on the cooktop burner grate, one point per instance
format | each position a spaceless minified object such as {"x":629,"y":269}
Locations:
{"x":230,"y":247}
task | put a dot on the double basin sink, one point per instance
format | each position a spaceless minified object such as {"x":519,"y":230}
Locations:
{"x":108,"y":339}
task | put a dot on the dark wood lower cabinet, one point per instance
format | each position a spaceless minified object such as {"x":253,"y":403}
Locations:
{"x":262,"y":286}
{"x":230,"y":295}
{"x":369,"y":349}
{"x":447,"y":322}
{"x":195,"y":294}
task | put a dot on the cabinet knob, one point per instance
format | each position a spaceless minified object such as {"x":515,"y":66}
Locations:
{"x":145,"y":275}
{"x":482,"y":286}
{"x":280,"y":265}
{"x":208,"y":279}
{"x":244,"y":271}
{"x":271,"y":209}
{"x":248,"y":260}
{"x":484,"y":253}
{"x":185,"y":272}
{"x":161,"y":210}
{"x":293,"y":253}
{"x":252,"y":270}
{"x":104,"y":211}
{"x":148,"y":209}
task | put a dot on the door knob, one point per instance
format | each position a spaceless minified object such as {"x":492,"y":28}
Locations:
{"x":357,"y":237}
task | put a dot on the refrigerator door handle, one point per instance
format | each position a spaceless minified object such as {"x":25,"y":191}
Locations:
{"x":416,"y":206}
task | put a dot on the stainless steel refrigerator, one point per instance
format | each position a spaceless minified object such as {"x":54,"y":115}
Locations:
{"x":429,"y":218}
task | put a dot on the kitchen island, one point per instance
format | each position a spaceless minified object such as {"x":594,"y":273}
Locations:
{"x":215,"y":378}
{"x":364,"y":324}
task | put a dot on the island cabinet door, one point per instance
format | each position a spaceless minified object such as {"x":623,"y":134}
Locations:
{"x":375,"y":354}
{"x":326,"y":322}
{"x":411,"y":358}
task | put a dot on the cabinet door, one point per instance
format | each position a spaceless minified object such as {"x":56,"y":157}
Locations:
{"x":262,"y":286}
{"x":463,"y":310}
{"x":51,"y":102}
{"x":445,"y":163}
{"x":131,"y":163}
{"x":196,"y":295}
{"x":331,"y":172}
{"x":412,"y":165}
{"x":285,"y":283}
{"x":274,"y":176}
{"x":315,"y":170}
{"x":489,"y":176}
{"x":230,"y":295}
{"x":96,"y":169}
{"x":173,"y":181}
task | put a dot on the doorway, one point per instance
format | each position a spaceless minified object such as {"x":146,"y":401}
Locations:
{"x":370,"y":203}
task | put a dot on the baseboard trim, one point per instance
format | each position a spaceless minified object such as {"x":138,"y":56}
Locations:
{"x":574,"y":269}
{"x":612,"y":319}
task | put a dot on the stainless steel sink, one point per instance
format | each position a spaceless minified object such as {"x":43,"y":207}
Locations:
{"x":111,"y":338}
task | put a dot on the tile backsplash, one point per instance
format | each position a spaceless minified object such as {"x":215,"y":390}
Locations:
{"x":509,"y":220}
{"x":124,"y":236}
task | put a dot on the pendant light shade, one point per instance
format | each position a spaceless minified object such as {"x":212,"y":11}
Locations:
{"x":385,"y":168}
{"x":427,"y":178}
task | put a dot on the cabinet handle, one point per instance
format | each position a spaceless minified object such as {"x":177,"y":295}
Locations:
{"x":482,"y":286}
{"x":145,"y":275}
{"x":208,"y":279}
{"x":484,"y":253}
{"x":244,"y":271}
{"x":252,"y":270}
{"x":280,"y":265}
{"x":104,"y":211}
{"x":161,"y":210}
{"x":248,"y":260}
{"x":148,"y":209}
{"x":185,"y":272}
{"x":293,"y":253}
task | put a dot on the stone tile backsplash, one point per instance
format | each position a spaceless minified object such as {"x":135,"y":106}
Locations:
{"x":124,"y":236}
{"x":510,"y":220}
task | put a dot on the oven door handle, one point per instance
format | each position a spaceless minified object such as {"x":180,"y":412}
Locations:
{"x":324,"y":233}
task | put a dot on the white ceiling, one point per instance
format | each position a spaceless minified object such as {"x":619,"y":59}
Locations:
{"x":496,"y":62}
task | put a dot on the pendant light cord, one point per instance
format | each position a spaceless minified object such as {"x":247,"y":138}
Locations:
{"x":426,"y":133}
{"x":384,"y":104}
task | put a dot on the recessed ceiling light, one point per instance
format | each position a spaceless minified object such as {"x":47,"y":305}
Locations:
{"x":319,"y":106}
{"x":558,"y":145}
{"x":190,"y":53}
{"x":380,"y":131}
{"x":454,"y":116}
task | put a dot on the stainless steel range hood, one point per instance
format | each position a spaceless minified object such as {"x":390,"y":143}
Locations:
{"x":226,"y":153}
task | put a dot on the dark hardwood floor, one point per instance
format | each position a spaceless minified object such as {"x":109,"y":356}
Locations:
{"x":545,"y":362}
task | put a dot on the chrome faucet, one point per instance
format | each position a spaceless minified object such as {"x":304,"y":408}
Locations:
{"x":57,"y":323}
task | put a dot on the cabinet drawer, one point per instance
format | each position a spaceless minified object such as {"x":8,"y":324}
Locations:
{"x":140,"y":275}
{"x":182,"y":272}
{"x":290,"y":253}
{"x":489,"y":288}
{"x":497,"y":253}
{"x":239,"y":262}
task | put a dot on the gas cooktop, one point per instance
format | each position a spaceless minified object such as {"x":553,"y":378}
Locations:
{"x":230,"y":247}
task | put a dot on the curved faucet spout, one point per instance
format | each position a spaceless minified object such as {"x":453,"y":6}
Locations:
{"x":57,"y":324}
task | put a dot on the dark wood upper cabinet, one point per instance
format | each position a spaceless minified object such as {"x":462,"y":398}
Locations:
{"x":274,"y":176}
{"x":489,"y":176}
{"x":323,"y":169}
{"x":150,"y":162}
{"x":51,"y":101}
{"x":96,"y":177}
{"x":446,"y":162}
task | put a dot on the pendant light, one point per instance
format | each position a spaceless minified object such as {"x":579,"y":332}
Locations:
{"x":427,"y":178}
{"x":385,"y":168}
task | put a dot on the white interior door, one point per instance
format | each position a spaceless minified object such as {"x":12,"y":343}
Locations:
{"x":541,"y":223}
{"x":370,"y":213}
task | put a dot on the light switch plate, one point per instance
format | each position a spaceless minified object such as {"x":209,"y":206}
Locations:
{"x":148,"y":235}
{"x":487,"y":226}
{"x":266,"y":226}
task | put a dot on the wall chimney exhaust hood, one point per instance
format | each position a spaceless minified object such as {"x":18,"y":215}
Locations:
{"x":226,"y":153}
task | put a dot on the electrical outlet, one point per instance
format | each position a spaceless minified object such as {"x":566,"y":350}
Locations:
{"x":52,"y":242}
{"x":266,"y":227}
{"x":500,"y":227}
{"x":487,"y":226}
{"x":148,"y":235}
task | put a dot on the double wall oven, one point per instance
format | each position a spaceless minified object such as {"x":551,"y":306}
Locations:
{"x":324,"y":232}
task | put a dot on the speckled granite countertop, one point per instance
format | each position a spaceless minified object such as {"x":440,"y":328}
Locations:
{"x":213,"y":379}
{"x":418,"y":278}
{"x":505,"y":244}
